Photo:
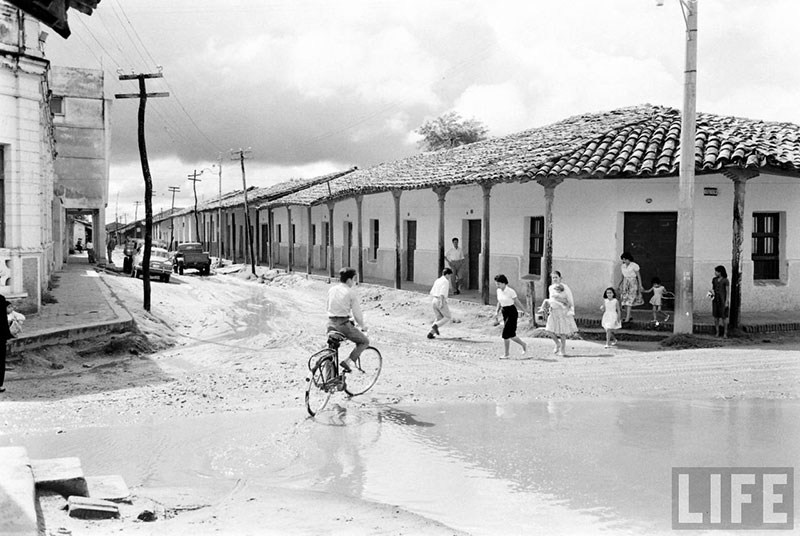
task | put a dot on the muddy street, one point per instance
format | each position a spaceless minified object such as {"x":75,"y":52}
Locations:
{"x":207,"y":417}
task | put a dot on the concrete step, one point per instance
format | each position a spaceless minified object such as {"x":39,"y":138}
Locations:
{"x":62,"y":475}
{"x":17,"y":494}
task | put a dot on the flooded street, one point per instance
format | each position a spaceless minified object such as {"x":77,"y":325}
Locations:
{"x":560,"y":467}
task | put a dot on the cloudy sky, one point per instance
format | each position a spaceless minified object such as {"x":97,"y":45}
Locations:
{"x":314,"y":86}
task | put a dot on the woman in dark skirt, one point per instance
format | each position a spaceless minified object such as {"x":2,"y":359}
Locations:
{"x":507,"y":303}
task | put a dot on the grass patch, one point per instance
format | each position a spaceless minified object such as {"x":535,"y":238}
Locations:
{"x":682,"y":341}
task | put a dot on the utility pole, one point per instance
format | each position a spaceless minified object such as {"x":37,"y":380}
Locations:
{"x":240,"y":155}
{"x":136,"y":209}
{"x":195,"y":180}
{"x":148,"y":181}
{"x":172,"y":189}
{"x":684,"y":261}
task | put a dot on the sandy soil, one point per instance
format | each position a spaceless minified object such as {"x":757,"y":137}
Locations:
{"x":237,"y":343}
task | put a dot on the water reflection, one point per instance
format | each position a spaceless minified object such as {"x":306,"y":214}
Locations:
{"x":555,"y":467}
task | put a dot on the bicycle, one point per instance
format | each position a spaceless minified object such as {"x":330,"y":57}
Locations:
{"x":326,"y":379}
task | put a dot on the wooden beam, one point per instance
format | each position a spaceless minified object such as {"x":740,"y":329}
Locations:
{"x":309,"y":240}
{"x":360,"y":236}
{"x":739,"y":178}
{"x":441,"y":192}
{"x":397,"y":242}
{"x":549,"y":196}
{"x":331,"y":264}
{"x":487,"y":189}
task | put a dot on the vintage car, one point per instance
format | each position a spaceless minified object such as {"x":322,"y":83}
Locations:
{"x":191,"y":255}
{"x":160,"y":264}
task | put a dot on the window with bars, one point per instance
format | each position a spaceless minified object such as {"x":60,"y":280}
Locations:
{"x":57,"y":105}
{"x":766,"y":246}
{"x":536,"y":245}
{"x":374,"y":239}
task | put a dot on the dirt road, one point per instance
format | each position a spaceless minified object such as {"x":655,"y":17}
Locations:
{"x":229,"y":343}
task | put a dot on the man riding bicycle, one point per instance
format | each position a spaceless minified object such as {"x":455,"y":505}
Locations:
{"x":343,"y":302}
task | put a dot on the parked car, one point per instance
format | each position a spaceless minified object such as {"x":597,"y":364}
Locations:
{"x":191,"y":255}
{"x":160,"y":264}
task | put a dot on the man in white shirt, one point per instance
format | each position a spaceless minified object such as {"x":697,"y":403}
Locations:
{"x":455,"y":260}
{"x":441,"y":311}
{"x":342,"y":302}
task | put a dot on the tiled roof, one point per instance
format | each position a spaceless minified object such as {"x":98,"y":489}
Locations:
{"x":634,"y":142}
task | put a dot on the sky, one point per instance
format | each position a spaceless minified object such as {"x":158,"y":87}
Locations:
{"x":311,"y":87}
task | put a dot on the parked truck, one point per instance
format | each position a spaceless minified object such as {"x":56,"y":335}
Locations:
{"x":191,"y":255}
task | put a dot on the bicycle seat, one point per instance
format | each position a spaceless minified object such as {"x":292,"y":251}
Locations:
{"x":335,"y":338}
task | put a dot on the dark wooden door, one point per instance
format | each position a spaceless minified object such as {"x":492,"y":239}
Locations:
{"x":474,"y":253}
{"x":326,"y":241}
{"x":411,"y":246}
{"x":651,"y":238}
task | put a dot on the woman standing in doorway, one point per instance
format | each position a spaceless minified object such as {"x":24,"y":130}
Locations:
{"x":561,"y":320}
{"x":630,"y":285}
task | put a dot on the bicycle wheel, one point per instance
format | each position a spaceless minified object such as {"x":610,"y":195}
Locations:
{"x":318,"y":390}
{"x":365,"y":373}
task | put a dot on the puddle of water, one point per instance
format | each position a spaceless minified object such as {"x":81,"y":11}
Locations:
{"x":558,"y":467}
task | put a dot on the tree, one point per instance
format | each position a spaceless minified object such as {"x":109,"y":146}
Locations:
{"x":450,"y":130}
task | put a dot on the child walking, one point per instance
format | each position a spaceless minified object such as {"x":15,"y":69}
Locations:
{"x":507,"y":303}
{"x":612,"y":312}
{"x":658,"y":291}
{"x":720,"y":292}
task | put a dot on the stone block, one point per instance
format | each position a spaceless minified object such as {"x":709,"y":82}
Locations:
{"x":108,"y":487}
{"x":17,"y":493}
{"x":86,"y":508}
{"x":62,"y":475}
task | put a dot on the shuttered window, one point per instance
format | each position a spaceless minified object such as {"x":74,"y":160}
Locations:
{"x":766,"y":245}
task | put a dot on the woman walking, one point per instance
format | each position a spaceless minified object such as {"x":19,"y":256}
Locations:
{"x":507,"y":303}
{"x":561,"y":320}
{"x":630,"y":285}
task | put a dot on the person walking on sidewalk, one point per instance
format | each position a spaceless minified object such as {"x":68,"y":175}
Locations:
{"x":441,"y":311}
{"x":507,"y":303}
{"x":342,"y":302}
{"x":110,"y":247}
{"x":455,"y":260}
{"x":90,"y":251}
{"x":5,"y":335}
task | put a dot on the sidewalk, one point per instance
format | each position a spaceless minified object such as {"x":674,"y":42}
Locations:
{"x":84,"y":306}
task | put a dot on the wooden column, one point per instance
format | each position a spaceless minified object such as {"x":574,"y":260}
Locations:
{"x":441,"y":192}
{"x":739,"y":178}
{"x":549,"y":196}
{"x":270,"y":238}
{"x":331,"y":264}
{"x":487,"y":193}
{"x":397,"y":264}
{"x":309,"y":240}
{"x":360,"y":236}
{"x":290,"y":235}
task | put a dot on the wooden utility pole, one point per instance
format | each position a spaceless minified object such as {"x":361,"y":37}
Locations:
{"x":136,"y":209}
{"x":172,"y":189}
{"x":195,"y":180}
{"x":148,"y":182}
{"x":240,"y":155}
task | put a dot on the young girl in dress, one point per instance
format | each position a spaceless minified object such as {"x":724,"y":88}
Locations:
{"x":720,"y":292}
{"x":611,"y":315}
{"x":658,"y":291}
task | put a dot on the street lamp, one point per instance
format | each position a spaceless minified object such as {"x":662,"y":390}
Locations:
{"x":684,"y":251}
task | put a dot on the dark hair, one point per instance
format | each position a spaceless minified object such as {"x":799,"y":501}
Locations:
{"x":655,"y":281}
{"x":500,"y":278}
{"x":347,"y":273}
{"x":455,"y":239}
{"x":612,"y":290}
{"x":722,"y":271}
{"x":626,"y":256}
{"x":556,"y":272}
{"x":447,"y":271}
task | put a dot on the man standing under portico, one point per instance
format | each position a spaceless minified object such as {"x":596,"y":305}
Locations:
{"x":455,"y":260}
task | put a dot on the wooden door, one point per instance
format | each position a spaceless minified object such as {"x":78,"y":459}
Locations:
{"x":651,"y":238}
{"x":473,"y":253}
{"x":411,"y":246}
